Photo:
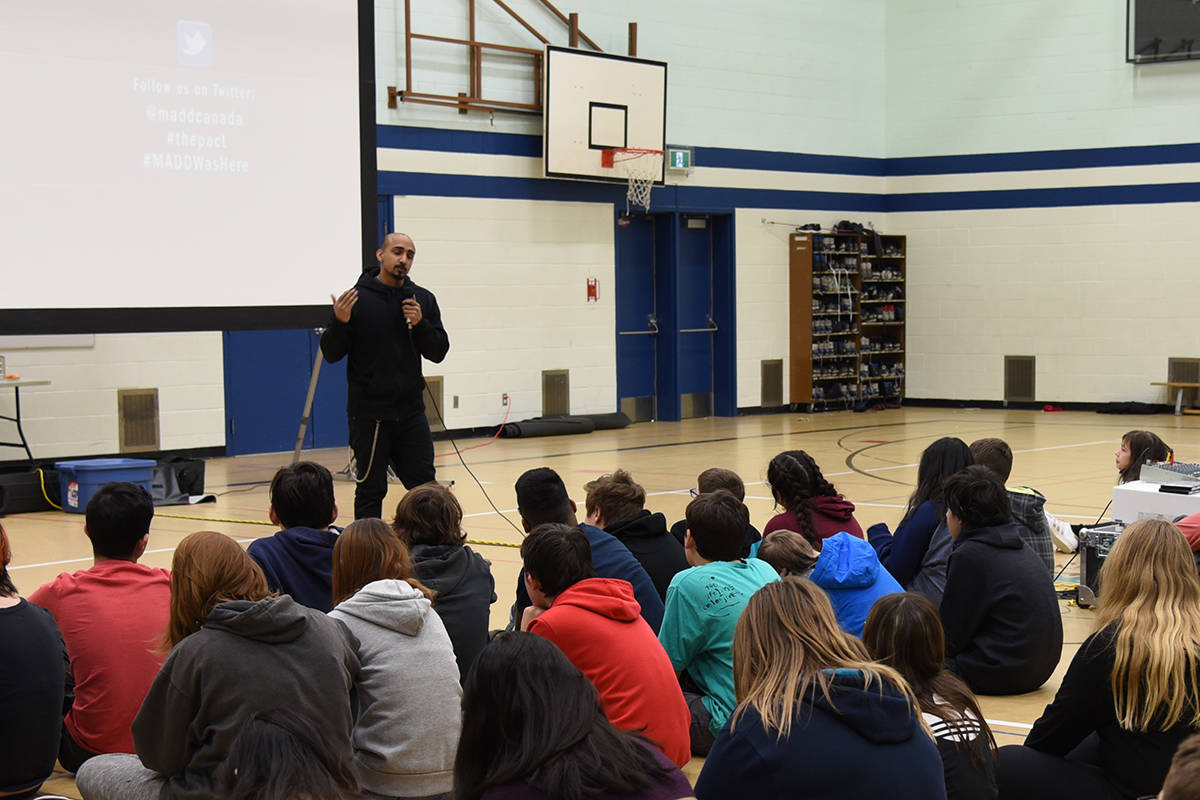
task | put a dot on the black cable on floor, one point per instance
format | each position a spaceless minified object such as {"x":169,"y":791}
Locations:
{"x":478,"y":483}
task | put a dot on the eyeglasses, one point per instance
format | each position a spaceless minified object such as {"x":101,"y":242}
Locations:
{"x":693,"y":491}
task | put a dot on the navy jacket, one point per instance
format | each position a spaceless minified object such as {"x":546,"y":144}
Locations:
{"x":867,"y":743}
{"x":299,"y":561}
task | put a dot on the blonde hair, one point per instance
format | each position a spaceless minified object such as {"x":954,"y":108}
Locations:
{"x":1151,"y":595}
{"x":785,"y":639}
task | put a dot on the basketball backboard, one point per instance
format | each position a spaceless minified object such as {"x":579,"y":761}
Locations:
{"x":598,"y":101}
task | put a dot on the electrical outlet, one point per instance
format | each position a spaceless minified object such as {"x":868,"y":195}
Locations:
{"x":504,"y":399}
{"x":455,"y":401}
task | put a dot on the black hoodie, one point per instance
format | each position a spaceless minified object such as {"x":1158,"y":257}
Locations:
{"x":647,"y":537}
{"x":384,"y":372}
{"x":1003,"y":625}
{"x":465,"y":592}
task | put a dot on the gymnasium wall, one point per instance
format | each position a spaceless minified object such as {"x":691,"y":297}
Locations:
{"x":511,"y":277}
{"x":1049,"y":190}
{"x":77,"y":414}
{"x":801,"y":76}
{"x":1078,"y":256}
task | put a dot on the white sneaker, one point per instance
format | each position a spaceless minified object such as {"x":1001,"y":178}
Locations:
{"x":1064,"y":538}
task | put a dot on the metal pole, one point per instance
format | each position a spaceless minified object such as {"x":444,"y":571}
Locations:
{"x":308,"y":401}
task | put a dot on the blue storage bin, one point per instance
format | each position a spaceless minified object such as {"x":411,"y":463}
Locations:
{"x":79,"y":480}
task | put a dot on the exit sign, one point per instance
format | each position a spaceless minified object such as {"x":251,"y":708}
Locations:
{"x":679,"y":158}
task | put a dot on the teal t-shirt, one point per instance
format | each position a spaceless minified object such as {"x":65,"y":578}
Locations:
{"x":702,"y":610}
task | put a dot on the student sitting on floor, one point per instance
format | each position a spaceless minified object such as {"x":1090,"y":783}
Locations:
{"x":1132,"y":692}
{"x":406,"y":730}
{"x":1028,"y":505}
{"x":703,"y":605}
{"x":542,"y":497}
{"x":595,"y":622}
{"x":846,"y":568}
{"x":617,"y":504}
{"x":904,"y":632}
{"x":710,"y":480}
{"x":533,"y":729}
{"x":429,"y":520}
{"x":298,"y":560}
{"x":816,"y":718}
{"x":112,"y":616}
{"x":236,"y":648}
{"x":278,"y":755}
{"x":1138,"y":448}
{"x":33,"y":684}
{"x":918,"y":552}
{"x":1003,"y":626}
{"x":812,"y":507}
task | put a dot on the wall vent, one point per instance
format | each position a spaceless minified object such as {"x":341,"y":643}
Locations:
{"x":772,"y":383}
{"x":137,"y":420}
{"x":433,"y":389}
{"x":1184,"y":370}
{"x":556,"y":392}
{"x":1019,"y":375}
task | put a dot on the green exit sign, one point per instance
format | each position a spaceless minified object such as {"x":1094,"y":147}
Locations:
{"x":679,"y":158}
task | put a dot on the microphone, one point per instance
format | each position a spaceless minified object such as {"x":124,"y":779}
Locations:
{"x":407,"y":293}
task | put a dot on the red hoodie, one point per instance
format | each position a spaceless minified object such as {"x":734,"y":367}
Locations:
{"x":830,"y":515}
{"x":598,"y":625}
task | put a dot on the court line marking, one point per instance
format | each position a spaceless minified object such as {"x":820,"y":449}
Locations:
{"x":673,"y":491}
{"x":1007,"y":724}
{"x":91,"y":558}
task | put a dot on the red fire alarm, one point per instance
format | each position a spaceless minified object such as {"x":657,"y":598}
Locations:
{"x":593,"y":290}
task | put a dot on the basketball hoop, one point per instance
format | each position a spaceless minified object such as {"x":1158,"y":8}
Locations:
{"x":641,"y":166}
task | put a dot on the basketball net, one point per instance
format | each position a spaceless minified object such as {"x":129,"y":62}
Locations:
{"x":640,"y":167}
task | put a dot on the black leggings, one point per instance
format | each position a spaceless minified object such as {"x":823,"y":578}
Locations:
{"x":1027,"y":774}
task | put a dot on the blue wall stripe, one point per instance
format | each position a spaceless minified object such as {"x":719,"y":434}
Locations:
{"x":406,"y":137}
{"x":720,"y":200}
{"x":1044,"y":160}
{"x":727,"y":158}
{"x":683,"y":198}
{"x":1145,"y":194}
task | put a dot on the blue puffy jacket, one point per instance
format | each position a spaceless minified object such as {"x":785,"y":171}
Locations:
{"x":850,"y":573}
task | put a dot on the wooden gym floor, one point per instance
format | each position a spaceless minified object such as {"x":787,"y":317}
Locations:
{"x":871,"y":458}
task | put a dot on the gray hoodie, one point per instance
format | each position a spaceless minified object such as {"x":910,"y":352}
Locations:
{"x":246,"y":657}
{"x":409,"y":696}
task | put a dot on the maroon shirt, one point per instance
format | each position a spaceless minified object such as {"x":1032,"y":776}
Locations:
{"x":830,"y":515}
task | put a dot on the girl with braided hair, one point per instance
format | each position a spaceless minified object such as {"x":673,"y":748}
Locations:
{"x":812,"y":507}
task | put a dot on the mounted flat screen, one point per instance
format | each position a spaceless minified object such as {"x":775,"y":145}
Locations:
{"x":1162,"y":30}
{"x":191,"y":155}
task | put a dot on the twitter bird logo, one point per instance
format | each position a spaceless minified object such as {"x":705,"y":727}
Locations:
{"x":194,"y":43}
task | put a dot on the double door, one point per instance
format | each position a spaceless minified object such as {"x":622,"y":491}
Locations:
{"x":675,"y":315}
